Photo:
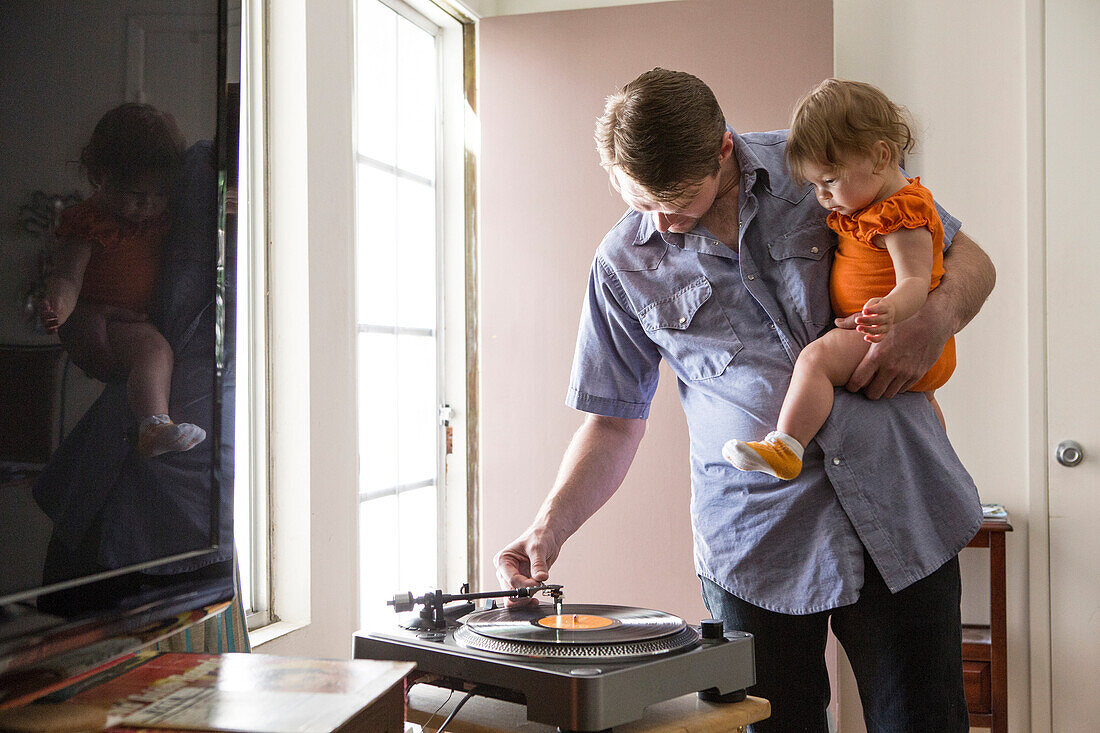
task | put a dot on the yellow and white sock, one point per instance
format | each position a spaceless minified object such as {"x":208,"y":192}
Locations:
{"x":778,"y":454}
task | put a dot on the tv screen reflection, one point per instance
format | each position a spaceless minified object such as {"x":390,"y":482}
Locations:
{"x":113,"y":369}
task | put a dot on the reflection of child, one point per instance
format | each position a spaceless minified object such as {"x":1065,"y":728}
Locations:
{"x":108,"y":258}
{"x":847,"y":139}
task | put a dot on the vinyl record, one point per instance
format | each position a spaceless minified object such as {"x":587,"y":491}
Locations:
{"x":578,"y":624}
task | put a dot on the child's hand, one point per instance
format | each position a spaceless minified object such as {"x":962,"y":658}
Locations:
{"x":876,"y":319}
{"x":57,"y":304}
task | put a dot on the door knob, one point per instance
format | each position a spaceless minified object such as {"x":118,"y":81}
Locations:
{"x":1070,"y":453}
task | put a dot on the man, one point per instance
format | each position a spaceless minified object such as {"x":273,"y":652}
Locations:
{"x":721,"y":268}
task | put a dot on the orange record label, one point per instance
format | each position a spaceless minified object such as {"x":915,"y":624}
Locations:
{"x":578,"y":621}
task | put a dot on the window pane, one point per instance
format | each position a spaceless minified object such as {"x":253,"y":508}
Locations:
{"x":397,"y":551}
{"x":378,"y":580}
{"x":397,"y":410}
{"x":416,"y":417}
{"x":376,"y":81}
{"x":376,"y":252}
{"x":417,"y":554}
{"x":416,"y":255}
{"x":378,"y":410}
{"x":416,"y":94}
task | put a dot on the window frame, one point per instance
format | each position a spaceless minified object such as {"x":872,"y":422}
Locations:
{"x":455,"y":190}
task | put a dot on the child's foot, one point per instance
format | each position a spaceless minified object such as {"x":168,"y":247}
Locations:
{"x":158,"y":434}
{"x":778,"y":454}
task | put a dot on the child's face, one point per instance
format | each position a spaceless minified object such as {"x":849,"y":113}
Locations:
{"x":137,"y":201}
{"x":847,"y":188}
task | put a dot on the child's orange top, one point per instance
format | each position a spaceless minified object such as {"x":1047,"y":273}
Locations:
{"x":125,"y":257}
{"x":862,"y":270}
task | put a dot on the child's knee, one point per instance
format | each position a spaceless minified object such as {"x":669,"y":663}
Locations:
{"x":814,"y":357}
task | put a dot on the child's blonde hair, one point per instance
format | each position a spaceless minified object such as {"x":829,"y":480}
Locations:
{"x":840,"y":118}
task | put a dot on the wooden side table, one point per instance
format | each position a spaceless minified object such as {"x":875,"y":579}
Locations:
{"x":985,"y":647}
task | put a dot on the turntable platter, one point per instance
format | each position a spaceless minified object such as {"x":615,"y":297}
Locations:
{"x":579,"y":631}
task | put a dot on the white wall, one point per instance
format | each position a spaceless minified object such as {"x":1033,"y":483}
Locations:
{"x":961,"y":69}
{"x":314,"y":502}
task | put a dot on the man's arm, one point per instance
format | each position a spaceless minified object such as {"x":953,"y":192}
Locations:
{"x":912,"y":347}
{"x":593,"y":468}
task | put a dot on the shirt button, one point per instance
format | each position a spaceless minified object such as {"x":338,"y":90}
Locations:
{"x":740,"y":223}
{"x":683,"y":319}
{"x":836,"y":461}
{"x":752,"y":277}
{"x":814,"y":250}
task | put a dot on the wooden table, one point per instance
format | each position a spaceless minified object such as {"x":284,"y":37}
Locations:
{"x":687,"y":714}
{"x":985,"y":647}
{"x":256,"y":692}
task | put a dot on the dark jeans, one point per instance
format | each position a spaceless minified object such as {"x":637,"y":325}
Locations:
{"x":905,"y":649}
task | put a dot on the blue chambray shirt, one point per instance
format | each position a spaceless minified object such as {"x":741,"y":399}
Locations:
{"x":880,"y":474}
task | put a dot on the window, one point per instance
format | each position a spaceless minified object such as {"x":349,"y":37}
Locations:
{"x":410,"y":246}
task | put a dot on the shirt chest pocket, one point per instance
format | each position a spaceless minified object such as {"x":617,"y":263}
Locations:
{"x":803,"y":258}
{"x":692,"y":330}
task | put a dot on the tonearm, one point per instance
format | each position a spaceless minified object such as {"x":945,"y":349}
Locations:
{"x":434,"y":616}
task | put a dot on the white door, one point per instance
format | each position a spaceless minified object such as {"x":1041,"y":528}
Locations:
{"x":1073,"y":348}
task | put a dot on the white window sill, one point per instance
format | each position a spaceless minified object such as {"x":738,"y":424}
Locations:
{"x":259,"y":637}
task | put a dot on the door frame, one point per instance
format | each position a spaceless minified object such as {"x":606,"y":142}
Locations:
{"x":1038,"y":462}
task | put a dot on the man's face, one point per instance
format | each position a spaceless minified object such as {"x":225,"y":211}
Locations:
{"x":678,"y":216}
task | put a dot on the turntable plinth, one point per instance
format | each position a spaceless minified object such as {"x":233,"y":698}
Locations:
{"x":686,"y":714}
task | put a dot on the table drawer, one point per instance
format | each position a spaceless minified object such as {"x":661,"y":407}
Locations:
{"x":976,"y":683}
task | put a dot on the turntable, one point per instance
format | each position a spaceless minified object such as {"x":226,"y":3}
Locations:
{"x":580,"y":667}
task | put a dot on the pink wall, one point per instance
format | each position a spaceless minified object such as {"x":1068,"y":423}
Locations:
{"x":545,"y":205}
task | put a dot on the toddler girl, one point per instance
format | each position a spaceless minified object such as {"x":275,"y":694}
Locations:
{"x":106,"y":265}
{"x":847,"y":139}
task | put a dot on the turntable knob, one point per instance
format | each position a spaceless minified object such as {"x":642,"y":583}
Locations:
{"x":711,"y":629}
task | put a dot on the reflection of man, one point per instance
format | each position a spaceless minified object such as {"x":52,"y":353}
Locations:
{"x":722,"y":269}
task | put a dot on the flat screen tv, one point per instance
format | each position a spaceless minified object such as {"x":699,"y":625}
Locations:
{"x":118,"y":140}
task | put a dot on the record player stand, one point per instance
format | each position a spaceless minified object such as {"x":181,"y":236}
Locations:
{"x":686,"y":714}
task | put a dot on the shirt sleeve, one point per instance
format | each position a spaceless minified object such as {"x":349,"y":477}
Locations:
{"x":951,"y":225}
{"x":616,"y":365}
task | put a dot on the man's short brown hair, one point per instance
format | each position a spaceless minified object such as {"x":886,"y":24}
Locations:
{"x":664,"y":130}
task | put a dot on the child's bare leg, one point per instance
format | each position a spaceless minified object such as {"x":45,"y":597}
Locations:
{"x":931,"y":395}
{"x":149,"y":361}
{"x":824,"y":364}
{"x":149,"y":385}
{"x":83,"y":335}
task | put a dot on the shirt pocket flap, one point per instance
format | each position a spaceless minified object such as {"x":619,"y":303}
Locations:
{"x":804,"y":242}
{"x":677,"y":310}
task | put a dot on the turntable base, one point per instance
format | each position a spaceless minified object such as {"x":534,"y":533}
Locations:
{"x":686,"y":714}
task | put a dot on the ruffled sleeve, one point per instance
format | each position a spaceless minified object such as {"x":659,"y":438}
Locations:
{"x":85,"y":221}
{"x":910,"y":208}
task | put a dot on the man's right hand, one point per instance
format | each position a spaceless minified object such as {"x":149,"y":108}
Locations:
{"x":526,"y":562}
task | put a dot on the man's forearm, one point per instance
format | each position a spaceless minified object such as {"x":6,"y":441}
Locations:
{"x":593,"y":468}
{"x":969,"y":276}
